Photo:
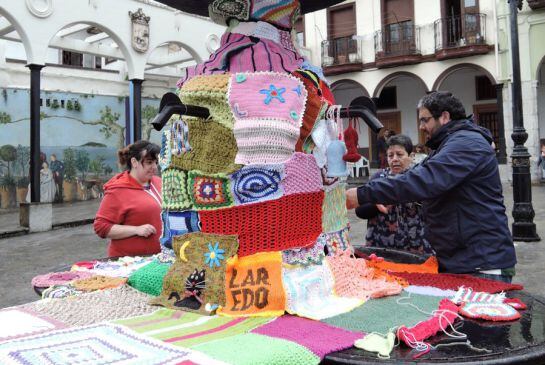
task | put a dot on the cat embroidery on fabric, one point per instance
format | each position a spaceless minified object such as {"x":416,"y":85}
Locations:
{"x":194,"y":286}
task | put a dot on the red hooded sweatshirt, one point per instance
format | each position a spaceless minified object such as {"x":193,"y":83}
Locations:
{"x":126,"y":202}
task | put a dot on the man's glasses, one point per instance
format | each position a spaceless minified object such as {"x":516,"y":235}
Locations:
{"x":424,"y":120}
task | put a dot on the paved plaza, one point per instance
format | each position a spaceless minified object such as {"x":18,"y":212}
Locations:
{"x":25,"y":255}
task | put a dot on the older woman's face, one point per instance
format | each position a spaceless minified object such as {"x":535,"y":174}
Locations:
{"x":398,"y":159}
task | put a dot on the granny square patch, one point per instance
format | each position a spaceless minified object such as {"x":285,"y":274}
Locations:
{"x":196,"y":281}
{"x":336,"y":241}
{"x":311,"y":255}
{"x":97,"y":344}
{"x":489,"y":311}
{"x":178,"y":223}
{"x":257,"y":183}
{"x":175,"y":195}
{"x":209,"y":191}
{"x":19,"y":322}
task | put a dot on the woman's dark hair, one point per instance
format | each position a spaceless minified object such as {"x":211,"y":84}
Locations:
{"x":421,"y":147}
{"x":138,"y":150}
{"x":438,"y":102}
{"x":400,"y":140}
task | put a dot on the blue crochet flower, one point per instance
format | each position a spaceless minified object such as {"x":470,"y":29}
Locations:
{"x":273,"y":93}
{"x":214,"y":255}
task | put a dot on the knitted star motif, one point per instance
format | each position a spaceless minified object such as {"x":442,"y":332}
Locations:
{"x":273,"y":93}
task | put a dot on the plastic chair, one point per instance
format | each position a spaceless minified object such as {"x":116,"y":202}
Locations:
{"x":359,"y":168}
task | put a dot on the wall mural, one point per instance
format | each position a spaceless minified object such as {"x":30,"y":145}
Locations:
{"x":80,"y":136}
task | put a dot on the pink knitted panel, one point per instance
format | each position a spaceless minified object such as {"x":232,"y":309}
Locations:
{"x":302,"y":174}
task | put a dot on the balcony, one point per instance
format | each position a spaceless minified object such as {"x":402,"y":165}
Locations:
{"x":397,"y":44}
{"x":536,"y":4}
{"x":341,"y":55}
{"x":461,"y":36}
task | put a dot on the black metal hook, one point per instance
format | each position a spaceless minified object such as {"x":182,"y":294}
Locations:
{"x":170,"y":105}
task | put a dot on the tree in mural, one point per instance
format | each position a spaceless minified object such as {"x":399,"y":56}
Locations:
{"x":8,"y":154}
{"x":23,"y":159}
{"x":82,"y":162}
{"x":69,"y":156}
{"x":148,"y":113}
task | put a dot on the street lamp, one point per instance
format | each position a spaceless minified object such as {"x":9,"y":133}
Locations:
{"x":524,"y":228}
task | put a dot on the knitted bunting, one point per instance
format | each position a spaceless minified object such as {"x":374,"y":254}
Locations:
{"x":489,"y":311}
{"x":258,"y":225}
{"x":311,"y":255}
{"x":195,"y":282}
{"x":20,"y":322}
{"x":257,"y":183}
{"x":178,"y":223}
{"x":468,"y":295}
{"x":175,"y":195}
{"x":334,"y":214}
{"x":209,"y":191}
{"x":309,"y":292}
{"x":149,"y":279}
{"x":302,"y":174}
{"x":253,"y":286}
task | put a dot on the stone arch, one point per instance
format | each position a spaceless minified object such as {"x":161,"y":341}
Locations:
{"x":347,"y":90}
{"x":355,"y":84}
{"x":182,"y":45}
{"x":449,"y":71}
{"x":395,"y":75}
{"x":27,"y":44}
{"x":540,"y":66}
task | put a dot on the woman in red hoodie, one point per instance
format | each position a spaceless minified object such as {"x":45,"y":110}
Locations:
{"x":130,"y":213}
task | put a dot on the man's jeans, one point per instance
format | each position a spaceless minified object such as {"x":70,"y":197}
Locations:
{"x":504,"y":278}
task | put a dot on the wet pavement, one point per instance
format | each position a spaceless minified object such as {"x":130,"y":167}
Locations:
{"x":27,"y":255}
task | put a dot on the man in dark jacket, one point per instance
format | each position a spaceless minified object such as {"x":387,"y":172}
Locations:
{"x":460,"y":187}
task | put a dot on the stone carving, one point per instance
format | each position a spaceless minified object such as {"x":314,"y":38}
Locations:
{"x":140,"y":30}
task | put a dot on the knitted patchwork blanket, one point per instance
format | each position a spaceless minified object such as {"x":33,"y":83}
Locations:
{"x":187,"y":329}
{"x":19,"y":322}
{"x":94,"y":307}
{"x":95,"y":344}
{"x":383,"y":314}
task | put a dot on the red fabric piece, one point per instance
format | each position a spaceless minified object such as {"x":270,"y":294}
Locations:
{"x":516,"y":303}
{"x":351,"y":142}
{"x":327,"y":94}
{"x":455,"y":281}
{"x":126,"y":202}
{"x":446,"y":315}
{"x":289,"y":222}
{"x":312,"y":111}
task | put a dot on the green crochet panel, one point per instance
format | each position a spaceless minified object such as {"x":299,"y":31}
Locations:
{"x":175,"y":195}
{"x":334,"y":214}
{"x":149,"y":279}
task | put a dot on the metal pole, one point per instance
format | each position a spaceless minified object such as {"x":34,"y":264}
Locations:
{"x":136,"y":94}
{"x":524,"y":228}
{"x":35,"y":132}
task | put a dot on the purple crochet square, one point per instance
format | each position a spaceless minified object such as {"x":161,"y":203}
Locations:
{"x":318,"y":337}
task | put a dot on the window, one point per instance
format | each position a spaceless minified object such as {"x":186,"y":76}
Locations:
{"x":72,"y":58}
{"x":300,"y":31}
{"x":341,"y":21}
{"x":387,"y":98}
{"x":484,"y":88}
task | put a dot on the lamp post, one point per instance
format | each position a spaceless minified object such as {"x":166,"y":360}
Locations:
{"x":524,"y":228}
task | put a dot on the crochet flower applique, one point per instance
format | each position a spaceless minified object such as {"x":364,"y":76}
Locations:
{"x":214,"y":255}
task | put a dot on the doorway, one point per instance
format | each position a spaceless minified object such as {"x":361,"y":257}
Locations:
{"x":391,"y":121}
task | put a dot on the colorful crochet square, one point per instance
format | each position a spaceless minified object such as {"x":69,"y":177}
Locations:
{"x":430,"y":266}
{"x":252,"y":348}
{"x":175,"y":195}
{"x":309,"y":292}
{"x":213,"y":148}
{"x":209,"y":191}
{"x":282,"y":13}
{"x":210,"y":91}
{"x":267,"y":95}
{"x":336,"y":241}
{"x":302,"y":174}
{"x":97,"y":344}
{"x":20,"y":322}
{"x":455,"y":281}
{"x":178,"y":223}
{"x":257,"y":183}
{"x":187,"y":329}
{"x":196,"y":281}
{"x":353,"y":279}
{"x":317,"y":337}
{"x":253,"y":286}
{"x":489,"y":311}
{"x":149,"y":279}
{"x":221,"y":11}
{"x":334,"y":214}
{"x":289,"y":222}
{"x":311,"y":255}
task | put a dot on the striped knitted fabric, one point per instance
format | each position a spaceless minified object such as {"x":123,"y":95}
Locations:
{"x":174,"y":191}
{"x":311,"y":255}
{"x":380,"y":315}
{"x":455,"y":281}
{"x":210,"y":91}
{"x":282,"y":13}
{"x":489,"y":311}
{"x":211,"y":191}
{"x":95,"y":307}
{"x":309,"y":293}
{"x":186,"y":329}
{"x":177,"y":223}
{"x":149,"y":279}
{"x":196,"y":281}
{"x":213,"y":148}
{"x":253,"y":286}
{"x":302,"y":174}
{"x":252,"y":348}
{"x":334,"y":214}
{"x":464,"y":295}
{"x":257,"y":183}
{"x":289,"y":222}
{"x":317,"y":337}
{"x":353,"y":279}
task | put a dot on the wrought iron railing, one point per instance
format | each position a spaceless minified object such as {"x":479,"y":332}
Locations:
{"x":341,"y":51}
{"x":397,"y":39}
{"x":460,"y":31}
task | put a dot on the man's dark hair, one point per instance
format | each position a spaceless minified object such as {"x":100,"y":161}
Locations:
{"x":438,"y":102}
{"x":400,"y":140}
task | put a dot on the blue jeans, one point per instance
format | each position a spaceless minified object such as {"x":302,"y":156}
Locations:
{"x":504,"y":278}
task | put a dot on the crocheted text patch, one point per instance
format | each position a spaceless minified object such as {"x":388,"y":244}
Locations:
{"x":258,"y":225}
{"x":174,"y":190}
{"x":257,"y":183}
{"x":253,"y":286}
{"x":209,"y":191}
{"x":195,"y":282}
{"x":489,"y":311}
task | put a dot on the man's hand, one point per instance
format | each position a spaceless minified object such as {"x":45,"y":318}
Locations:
{"x":145,"y":230}
{"x":352,"y":198}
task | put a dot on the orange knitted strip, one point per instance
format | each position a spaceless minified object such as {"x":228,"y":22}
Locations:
{"x":430,"y":266}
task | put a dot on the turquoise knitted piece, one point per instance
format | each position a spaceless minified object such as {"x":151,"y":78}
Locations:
{"x":149,"y":279}
{"x":251,"y":349}
{"x":380,"y":315}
